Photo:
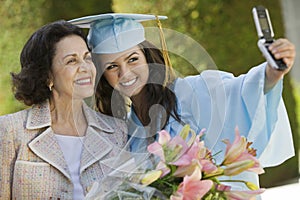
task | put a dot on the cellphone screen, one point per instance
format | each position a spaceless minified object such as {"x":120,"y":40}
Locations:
{"x":264,"y":24}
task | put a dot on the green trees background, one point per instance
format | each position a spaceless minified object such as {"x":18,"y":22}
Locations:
{"x":223,"y":27}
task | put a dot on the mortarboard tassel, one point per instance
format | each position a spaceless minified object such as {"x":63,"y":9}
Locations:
{"x":169,"y":76}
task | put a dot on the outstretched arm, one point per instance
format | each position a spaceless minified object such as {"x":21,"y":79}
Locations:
{"x":281,"y":49}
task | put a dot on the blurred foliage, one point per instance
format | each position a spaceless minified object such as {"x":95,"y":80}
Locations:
{"x":18,"y":21}
{"x":68,"y":9}
{"x":223,"y":28}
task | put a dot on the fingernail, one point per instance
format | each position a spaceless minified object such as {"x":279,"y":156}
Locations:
{"x":270,"y":48}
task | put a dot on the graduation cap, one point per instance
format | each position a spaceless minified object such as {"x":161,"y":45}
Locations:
{"x":114,"y":32}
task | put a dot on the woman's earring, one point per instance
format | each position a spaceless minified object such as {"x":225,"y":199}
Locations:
{"x":50,"y":86}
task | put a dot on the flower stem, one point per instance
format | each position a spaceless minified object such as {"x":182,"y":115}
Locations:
{"x":236,"y":181}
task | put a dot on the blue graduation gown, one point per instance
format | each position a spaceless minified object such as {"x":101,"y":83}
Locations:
{"x":219,"y":102}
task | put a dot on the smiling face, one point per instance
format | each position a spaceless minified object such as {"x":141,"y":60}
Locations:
{"x":73,"y":72}
{"x":127,"y":71}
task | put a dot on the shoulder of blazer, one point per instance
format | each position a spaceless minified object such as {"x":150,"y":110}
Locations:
{"x":103,"y":122}
{"x":12,"y":129}
{"x":117,"y":127}
{"x":14,"y":121}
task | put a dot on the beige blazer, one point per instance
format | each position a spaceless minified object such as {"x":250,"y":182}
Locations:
{"x":32,"y":165}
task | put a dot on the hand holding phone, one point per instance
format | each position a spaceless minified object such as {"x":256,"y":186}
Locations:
{"x":266,"y":36}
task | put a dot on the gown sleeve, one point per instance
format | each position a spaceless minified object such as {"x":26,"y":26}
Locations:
{"x":220,"y":102}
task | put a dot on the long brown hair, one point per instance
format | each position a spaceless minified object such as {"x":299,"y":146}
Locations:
{"x":156,"y":91}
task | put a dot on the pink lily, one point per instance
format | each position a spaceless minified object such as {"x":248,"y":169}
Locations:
{"x":167,"y":148}
{"x":196,"y":151}
{"x":208,"y":167}
{"x":238,"y":167}
{"x":234,"y":150}
{"x":192,"y":187}
{"x":187,"y":170}
{"x":255,"y":167}
{"x":239,"y":195}
{"x":196,"y":154}
{"x":239,"y":152}
{"x":243,"y":195}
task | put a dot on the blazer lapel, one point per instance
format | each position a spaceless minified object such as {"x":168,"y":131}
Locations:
{"x":95,"y":147}
{"x":47,"y":148}
{"x":39,"y":116}
{"x":94,"y":119}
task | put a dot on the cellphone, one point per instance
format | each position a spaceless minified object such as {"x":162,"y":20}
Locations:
{"x":266,"y":36}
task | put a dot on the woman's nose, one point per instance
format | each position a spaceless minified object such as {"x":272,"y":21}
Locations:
{"x":84,"y":66}
{"x":123,"y":70}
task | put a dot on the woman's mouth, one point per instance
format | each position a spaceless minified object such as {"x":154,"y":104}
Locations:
{"x":128,"y":83}
{"x":84,"y":81}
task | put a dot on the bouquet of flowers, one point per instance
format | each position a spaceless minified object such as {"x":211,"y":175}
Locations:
{"x":184,"y":169}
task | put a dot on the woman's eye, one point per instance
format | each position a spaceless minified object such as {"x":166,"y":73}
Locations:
{"x":71,"y":61}
{"x":133,"y":59}
{"x":110,"y":67}
{"x":89,"y":58}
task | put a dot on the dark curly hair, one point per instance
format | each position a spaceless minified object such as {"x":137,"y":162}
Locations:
{"x":30,"y":85}
{"x":111,"y":102}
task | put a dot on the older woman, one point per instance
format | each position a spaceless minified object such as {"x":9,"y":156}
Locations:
{"x":56,"y":148}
